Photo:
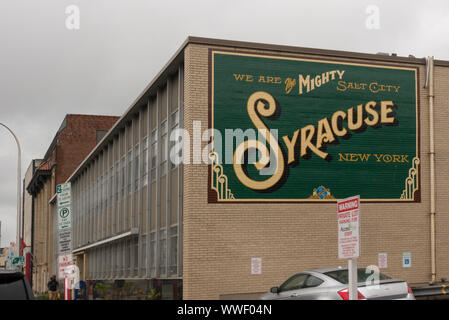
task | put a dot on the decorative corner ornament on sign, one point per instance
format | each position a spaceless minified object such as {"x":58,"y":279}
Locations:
{"x":219,"y":181}
{"x":411,"y":182}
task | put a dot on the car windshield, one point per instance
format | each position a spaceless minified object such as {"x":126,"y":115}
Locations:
{"x":362,"y":275}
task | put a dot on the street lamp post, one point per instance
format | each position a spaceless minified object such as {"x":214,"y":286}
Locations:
{"x":19,"y":189}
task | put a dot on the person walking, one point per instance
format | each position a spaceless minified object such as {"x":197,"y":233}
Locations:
{"x":52,"y":288}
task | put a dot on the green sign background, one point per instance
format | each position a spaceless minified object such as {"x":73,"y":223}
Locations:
{"x":372,"y":180}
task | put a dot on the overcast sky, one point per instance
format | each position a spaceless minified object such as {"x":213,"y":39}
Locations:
{"x":48,"y":70}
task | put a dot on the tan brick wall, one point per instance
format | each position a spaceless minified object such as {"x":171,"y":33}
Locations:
{"x":221,"y":239}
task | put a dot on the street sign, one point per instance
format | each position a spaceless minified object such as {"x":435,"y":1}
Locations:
{"x":64,"y":218}
{"x":19,"y":261}
{"x":406,"y":260}
{"x":348,"y":211}
{"x":64,"y":265}
{"x":63,"y":194}
{"x":65,"y":241}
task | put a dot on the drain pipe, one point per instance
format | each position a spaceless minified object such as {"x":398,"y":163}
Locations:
{"x":432,"y":168}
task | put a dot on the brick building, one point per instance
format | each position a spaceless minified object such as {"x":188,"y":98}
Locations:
{"x":347,"y":123}
{"x":27,"y":227}
{"x":76,"y":137}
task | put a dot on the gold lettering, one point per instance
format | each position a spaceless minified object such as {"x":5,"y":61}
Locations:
{"x":255,"y":102}
{"x":385,"y":109}
{"x":340,"y":73}
{"x":339,"y":132}
{"x":346,"y":158}
{"x":369,"y":107}
{"x":364,"y":157}
{"x":307,"y":133}
{"x":239,"y":77}
{"x":326,"y":136}
{"x":355,"y":126}
{"x":341,"y":86}
{"x":291,"y":146}
{"x":378,"y":157}
{"x":302,"y":82}
{"x":318,"y":81}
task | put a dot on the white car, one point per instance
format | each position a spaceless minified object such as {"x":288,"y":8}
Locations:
{"x":332,"y":284}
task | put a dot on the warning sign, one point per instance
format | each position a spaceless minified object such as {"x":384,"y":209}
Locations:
{"x":64,"y":265}
{"x":348,"y":211}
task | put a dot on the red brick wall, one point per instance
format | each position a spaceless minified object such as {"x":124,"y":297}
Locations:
{"x":77,"y":140}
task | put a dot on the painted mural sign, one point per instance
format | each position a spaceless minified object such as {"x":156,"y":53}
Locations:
{"x":301,"y":130}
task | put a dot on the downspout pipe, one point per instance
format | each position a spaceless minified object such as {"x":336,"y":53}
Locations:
{"x":430,"y":64}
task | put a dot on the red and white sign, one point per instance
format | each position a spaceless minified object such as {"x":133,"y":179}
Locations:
{"x":256,"y":265}
{"x":65,"y":263}
{"x":348,"y":212}
{"x":383,"y":262}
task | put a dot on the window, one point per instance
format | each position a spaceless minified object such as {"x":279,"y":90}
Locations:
{"x":136,"y":255}
{"x":164,"y":148}
{"x":97,"y":193}
{"x":174,"y":126}
{"x":163,"y":252}
{"x":145,"y":162}
{"x":13,"y":289}
{"x":119,"y":259}
{"x":153,"y":154}
{"x":173,"y":268}
{"x":122,"y":177}
{"x":130,"y":171}
{"x":111,"y":187}
{"x":143,"y":250}
{"x":105,"y":191}
{"x":295,"y":282}
{"x":117,"y":180}
{"x":136,"y":168}
{"x":153,"y":253}
{"x":312,"y":282}
{"x":343,"y":277}
{"x":127,"y":257}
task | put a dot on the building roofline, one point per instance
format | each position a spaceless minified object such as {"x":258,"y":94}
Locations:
{"x":313,"y":51}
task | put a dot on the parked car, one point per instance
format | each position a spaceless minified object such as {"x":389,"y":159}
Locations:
{"x":332,"y":284}
{"x":14,"y":286}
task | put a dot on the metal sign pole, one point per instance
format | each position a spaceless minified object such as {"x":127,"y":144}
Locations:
{"x":352,"y":271}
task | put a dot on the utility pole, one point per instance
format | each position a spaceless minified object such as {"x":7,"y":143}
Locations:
{"x":19,"y":188}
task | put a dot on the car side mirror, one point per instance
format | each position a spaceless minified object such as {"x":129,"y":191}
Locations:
{"x":274,"y":290}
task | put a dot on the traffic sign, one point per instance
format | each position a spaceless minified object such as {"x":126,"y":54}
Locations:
{"x":64,"y":218}
{"x":18,"y":260}
{"x":63,"y":194}
{"x":65,"y":263}
{"x":65,"y":241}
